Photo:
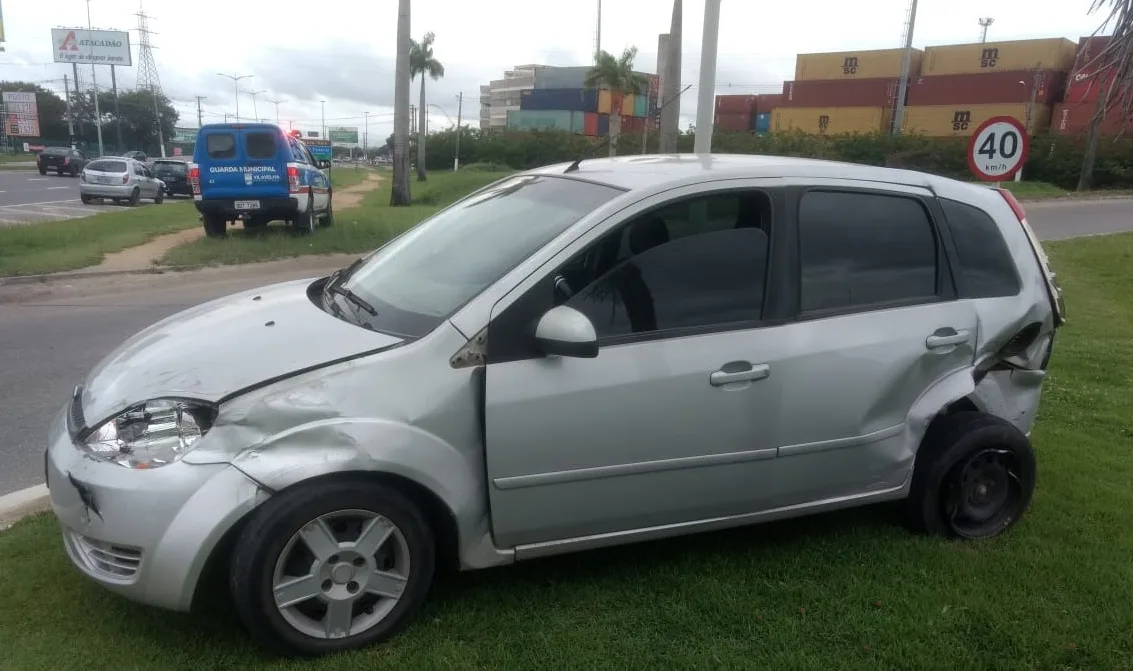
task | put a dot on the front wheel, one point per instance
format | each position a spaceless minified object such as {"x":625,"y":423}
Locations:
{"x":332,"y":566}
{"x":86,"y":199}
{"x":159,"y":198}
{"x":973,"y":478}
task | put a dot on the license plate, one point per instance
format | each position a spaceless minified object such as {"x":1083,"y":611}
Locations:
{"x":105,"y":180}
{"x":247,"y":205}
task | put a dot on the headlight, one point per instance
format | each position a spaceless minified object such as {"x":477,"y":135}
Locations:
{"x":151,"y":434}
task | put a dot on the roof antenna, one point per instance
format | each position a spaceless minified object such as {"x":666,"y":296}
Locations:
{"x":573,"y":167}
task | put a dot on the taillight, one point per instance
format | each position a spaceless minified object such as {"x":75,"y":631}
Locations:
{"x":1053,"y":289}
{"x":126,"y":178}
{"x":1016,"y":206}
{"x":195,"y":179}
{"x":293,"y":178}
{"x":67,"y":160}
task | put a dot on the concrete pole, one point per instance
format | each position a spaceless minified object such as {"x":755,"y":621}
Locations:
{"x":706,"y":96}
{"x":906,"y":64}
{"x":671,"y":115}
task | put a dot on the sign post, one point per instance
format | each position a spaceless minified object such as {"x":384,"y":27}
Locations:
{"x":998,"y":149}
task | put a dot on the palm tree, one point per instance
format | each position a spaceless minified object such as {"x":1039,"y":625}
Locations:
{"x":399,"y":192}
{"x":617,"y":75}
{"x":1116,"y":57}
{"x":421,"y":62}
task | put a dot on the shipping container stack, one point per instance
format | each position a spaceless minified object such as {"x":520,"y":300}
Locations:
{"x":1084,"y":86}
{"x":745,"y":113}
{"x":581,"y":110}
{"x":843,"y":92}
{"x":962,"y":85}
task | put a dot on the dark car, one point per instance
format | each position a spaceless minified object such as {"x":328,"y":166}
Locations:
{"x":137,"y":156}
{"x":175,"y":174}
{"x":62,"y":160}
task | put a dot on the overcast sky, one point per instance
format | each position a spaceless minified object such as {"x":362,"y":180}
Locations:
{"x":343,"y":51}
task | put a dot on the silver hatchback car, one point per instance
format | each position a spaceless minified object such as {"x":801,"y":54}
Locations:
{"x":572,"y":357}
{"x":120,"y":179}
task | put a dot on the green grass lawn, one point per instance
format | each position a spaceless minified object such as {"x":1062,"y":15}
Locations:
{"x":76,"y":243}
{"x":344,"y":177}
{"x":356,"y":230}
{"x":850,"y":590}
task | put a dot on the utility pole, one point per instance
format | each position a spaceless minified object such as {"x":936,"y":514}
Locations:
{"x":94,"y":82}
{"x":200,"y":119}
{"x":460,"y":111}
{"x":277,"y":103}
{"x":70,"y":113}
{"x":705,"y":104}
{"x":117,"y":114}
{"x":906,"y":64}
{"x":255,"y":108}
{"x":984,"y":24}
{"x":236,"y":87}
{"x":598,"y":31}
{"x":366,"y":137}
{"x":324,"y":107}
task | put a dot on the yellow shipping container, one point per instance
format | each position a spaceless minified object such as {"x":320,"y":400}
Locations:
{"x":873,"y":64}
{"x":1056,"y":53}
{"x":604,"y":101}
{"x":627,"y":104}
{"x":963,"y":120}
{"x":831,"y":120}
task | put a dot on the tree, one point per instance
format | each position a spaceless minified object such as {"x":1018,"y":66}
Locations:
{"x":52,"y":109}
{"x":422,"y":62}
{"x":139,"y":126}
{"x":399,"y":190}
{"x":617,"y":75}
{"x":1113,"y":67}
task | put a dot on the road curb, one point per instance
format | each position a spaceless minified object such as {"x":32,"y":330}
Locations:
{"x":23,"y":503}
{"x":67,"y":275}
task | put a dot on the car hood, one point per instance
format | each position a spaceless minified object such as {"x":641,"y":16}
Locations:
{"x":219,"y":348}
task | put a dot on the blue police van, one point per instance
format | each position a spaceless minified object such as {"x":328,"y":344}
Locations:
{"x":255,"y":173}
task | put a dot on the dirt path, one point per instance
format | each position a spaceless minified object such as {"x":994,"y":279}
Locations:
{"x":147,"y":255}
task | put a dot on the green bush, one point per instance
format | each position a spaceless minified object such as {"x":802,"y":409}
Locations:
{"x":1053,"y":158}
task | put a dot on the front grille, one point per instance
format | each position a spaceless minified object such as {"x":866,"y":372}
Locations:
{"x":75,"y":418}
{"x":114,"y":561}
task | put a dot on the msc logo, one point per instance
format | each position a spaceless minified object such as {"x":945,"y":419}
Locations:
{"x":850,"y":65}
{"x":989,"y":58}
{"x":961,"y":120}
{"x":823,"y":122}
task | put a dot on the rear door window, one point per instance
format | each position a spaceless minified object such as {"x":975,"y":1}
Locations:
{"x":986,"y":266}
{"x":221,"y":145}
{"x":260,"y":144}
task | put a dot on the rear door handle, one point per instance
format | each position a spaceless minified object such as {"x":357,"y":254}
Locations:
{"x":756,"y":372}
{"x":946,"y":338}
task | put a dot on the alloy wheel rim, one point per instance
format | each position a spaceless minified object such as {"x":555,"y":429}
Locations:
{"x":341,"y":574}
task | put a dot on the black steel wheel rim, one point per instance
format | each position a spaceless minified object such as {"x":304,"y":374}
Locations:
{"x":984,"y":494}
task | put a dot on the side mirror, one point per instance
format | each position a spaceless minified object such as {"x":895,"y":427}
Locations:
{"x":323,"y":163}
{"x":564,"y":331}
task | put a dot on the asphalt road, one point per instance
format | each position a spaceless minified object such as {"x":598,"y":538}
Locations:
{"x":52,"y":335}
{"x":26,"y":197}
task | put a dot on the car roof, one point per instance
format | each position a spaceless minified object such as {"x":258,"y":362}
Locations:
{"x":652,"y":171}
{"x":241,"y":125}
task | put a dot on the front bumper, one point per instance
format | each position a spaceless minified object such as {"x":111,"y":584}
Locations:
{"x":106,"y":190}
{"x":145,"y":534}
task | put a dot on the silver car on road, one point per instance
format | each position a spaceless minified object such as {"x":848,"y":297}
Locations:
{"x":120,"y":179}
{"x":572,"y":357}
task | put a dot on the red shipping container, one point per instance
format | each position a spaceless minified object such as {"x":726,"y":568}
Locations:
{"x":1086,"y":88}
{"x":991,"y":88}
{"x":733,"y":122}
{"x":1089,"y":48}
{"x":590,"y":124}
{"x":767,"y":102}
{"x":735,"y":104}
{"x":633,"y":124}
{"x":840,"y":93}
{"x":1074,"y":118}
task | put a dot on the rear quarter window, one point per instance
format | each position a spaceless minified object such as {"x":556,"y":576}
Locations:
{"x":221,"y":145}
{"x":107,"y":166}
{"x":986,"y":268}
{"x":260,"y":144}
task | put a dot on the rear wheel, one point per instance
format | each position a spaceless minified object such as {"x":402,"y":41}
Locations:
{"x":215,"y":227}
{"x":135,"y":197}
{"x":305,"y":221}
{"x":328,"y":216}
{"x":43,"y":171}
{"x":74,"y":171}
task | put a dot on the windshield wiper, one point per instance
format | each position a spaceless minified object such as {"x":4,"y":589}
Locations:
{"x":352,"y":297}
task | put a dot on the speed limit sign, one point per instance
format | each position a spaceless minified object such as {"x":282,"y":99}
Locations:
{"x":998,"y":149}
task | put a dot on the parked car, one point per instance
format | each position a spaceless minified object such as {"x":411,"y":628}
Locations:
{"x":139,"y":156}
{"x":63,"y":160}
{"x":572,"y":357}
{"x":256,"y":173}
{"x":119,"y":179}
{"x":174,"y":173}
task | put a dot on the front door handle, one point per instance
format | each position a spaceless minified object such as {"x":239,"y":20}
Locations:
{"x":750,"y":374}
{"x":946,"y":338}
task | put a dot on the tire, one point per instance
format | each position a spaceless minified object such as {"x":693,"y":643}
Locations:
{"x":86,"y":199}
{"x":328,"y":216}
{"x":135,"y":197}
{"x":966,"y":459}
{"x":215,"y":227}
{"x":305,"y":221}
{"x":74,"y":172}
{"x":159,"y":198}
{"x":43,"y":171}
{"x":270,"y":537}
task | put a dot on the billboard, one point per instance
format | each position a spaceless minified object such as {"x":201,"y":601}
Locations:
{"x":21,"y":114}
{"x":343,"y":134}
{"x":319,"y":148}
{"x":184,"y":134}
{"x":101,"y":47}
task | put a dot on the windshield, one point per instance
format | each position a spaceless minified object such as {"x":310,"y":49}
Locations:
{"x":422,"y":277}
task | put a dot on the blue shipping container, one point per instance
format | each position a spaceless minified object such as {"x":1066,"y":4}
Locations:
{"x":603,"y":125}
{"x":567,"y":120}
{"x":761,"y":123}
{"x":575,"y":100}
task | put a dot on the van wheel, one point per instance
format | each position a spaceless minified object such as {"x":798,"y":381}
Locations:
{"x":305,"y":221}
{"x":974,"y":477}
{"x":135,"y":197}
{"x":215,"y":227}
{"x":328,"y":216}
{"x":331,"y":566}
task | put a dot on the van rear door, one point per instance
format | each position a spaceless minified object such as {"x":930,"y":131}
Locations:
{"x":243,"y":163}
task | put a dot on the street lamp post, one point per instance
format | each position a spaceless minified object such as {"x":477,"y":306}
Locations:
{"x":236,"y":86}
{"x":705,"y":104}
{"x":324,"y":106}
{"x":255,"y":108}
{"x":277,"y":104}
{"x":94,"y":82}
